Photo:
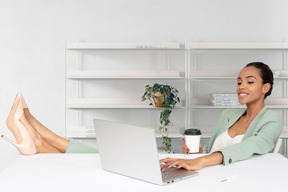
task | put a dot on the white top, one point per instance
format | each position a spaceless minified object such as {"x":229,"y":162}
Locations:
{"x":224,"y":140}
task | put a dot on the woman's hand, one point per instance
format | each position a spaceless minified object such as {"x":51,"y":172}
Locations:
{"x":185,"y":149}
{"x":189,"y":164}
{"x":193,"y":164}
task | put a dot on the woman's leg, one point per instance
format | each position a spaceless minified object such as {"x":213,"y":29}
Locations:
{"x":42,"y":146}
{"x":56,"y":141}
{"x":62,"y":144}
{"x":28,"y":141}
{"x":46,"y":140}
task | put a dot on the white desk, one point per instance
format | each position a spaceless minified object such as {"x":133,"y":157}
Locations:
{"x":82,"y":172}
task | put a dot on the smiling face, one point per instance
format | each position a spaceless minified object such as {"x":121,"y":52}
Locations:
{"x":250,"y":87}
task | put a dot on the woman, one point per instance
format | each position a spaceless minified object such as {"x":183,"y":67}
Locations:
{"x":32,"y":137}
{"x":240,"y":133}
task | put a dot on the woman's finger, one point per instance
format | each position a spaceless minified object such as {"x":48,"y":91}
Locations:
{"x":200,"y":149}
{"x":165,"y":160}
{"x":185,"y":149}
{"x":169,"y":162}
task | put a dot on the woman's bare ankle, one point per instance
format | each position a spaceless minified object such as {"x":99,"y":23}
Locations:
{"x":49,"y":140}
{"x":43,"y":146}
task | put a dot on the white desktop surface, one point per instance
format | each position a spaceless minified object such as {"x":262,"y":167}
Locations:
{"x":82,"y":172}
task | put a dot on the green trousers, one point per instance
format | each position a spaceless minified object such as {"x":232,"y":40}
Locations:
{"x":78,"y":147}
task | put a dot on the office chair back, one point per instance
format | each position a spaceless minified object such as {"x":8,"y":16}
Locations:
{"x":277,"y":146}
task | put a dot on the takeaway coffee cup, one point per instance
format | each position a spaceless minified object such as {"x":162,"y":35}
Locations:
{"x":192,"y":139}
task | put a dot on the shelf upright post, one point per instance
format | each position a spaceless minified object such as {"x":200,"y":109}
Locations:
{"x":78,"y":86}
{"x":285,"y":115}
{"x":187,"y":84}
{"x":65,"y":87}
{"x":194,"y":83}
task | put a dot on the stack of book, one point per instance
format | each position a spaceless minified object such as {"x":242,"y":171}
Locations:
{"x":224,"y":99}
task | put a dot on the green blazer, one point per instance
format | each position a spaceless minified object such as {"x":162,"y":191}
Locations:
{"x":260,"y":137}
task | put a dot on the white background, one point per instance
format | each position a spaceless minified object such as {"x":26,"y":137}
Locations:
{"x":32,"y":38}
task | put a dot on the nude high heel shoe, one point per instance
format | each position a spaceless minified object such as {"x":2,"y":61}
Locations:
{"x":26,"y":146}
{"x":16,"y":100}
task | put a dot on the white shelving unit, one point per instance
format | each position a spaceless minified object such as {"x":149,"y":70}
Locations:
{"x":202,"y":75}
{"x":191,"y":77}
{"x":78,"y":75}
{"x":196,"y":76}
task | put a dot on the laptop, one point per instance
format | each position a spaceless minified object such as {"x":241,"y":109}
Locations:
{"x":131,"y":151}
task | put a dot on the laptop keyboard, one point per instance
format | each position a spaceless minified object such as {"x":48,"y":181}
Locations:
{"x":167,"y":176}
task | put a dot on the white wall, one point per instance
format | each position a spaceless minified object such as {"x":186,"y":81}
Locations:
{"x":32,"y":37}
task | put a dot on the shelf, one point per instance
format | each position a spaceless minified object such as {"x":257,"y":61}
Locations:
{"x":199,"y":107}
{"x":104,"y":74}
{"x":87,"y":103}
{"x":270,"y":103}
{"x":88,"y":132}
{"x":127,"y":45}
{"x":284,"y":134}
{"x":230,"y":78}
{"x":228,"y":75}
{"x":172,"y":135}
{"x":213,"y":75}
{"x":207,"y":134}
{"x":238,"y":45}
{"x":158,"y":136}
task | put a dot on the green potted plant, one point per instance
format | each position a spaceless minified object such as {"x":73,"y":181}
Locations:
{"x":164,"y":96}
